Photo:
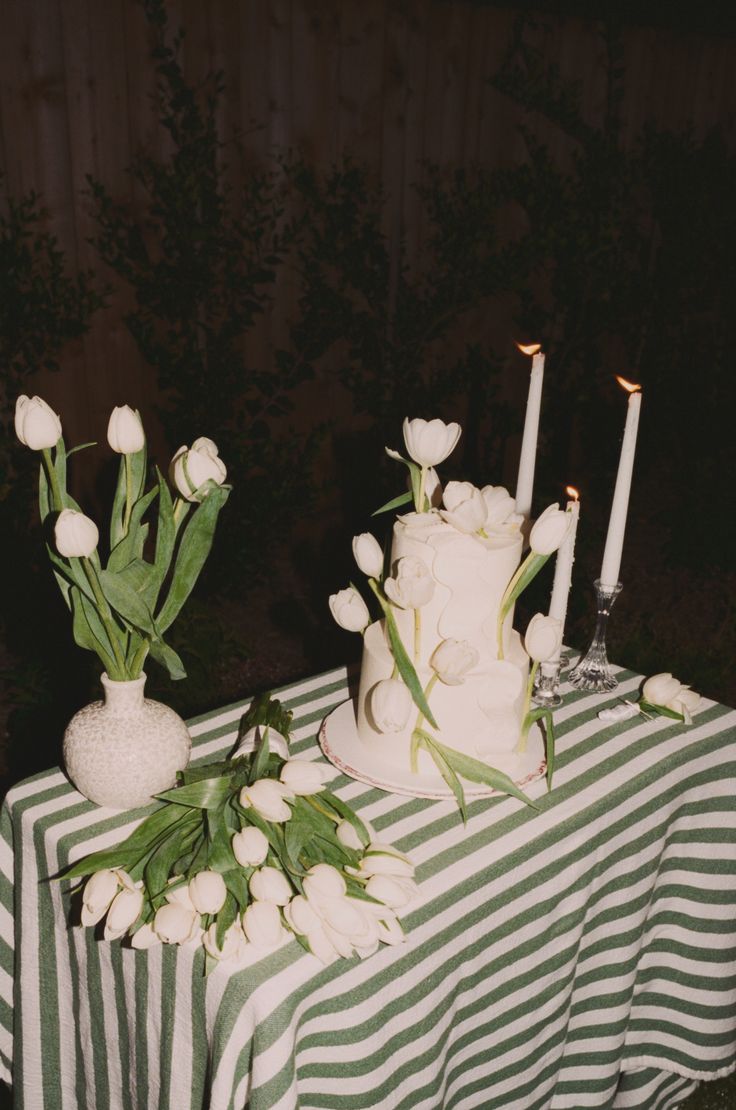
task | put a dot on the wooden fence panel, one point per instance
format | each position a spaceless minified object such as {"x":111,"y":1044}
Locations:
{"x":389,"y":82}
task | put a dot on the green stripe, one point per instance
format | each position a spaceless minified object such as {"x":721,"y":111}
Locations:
{"x":142,"y":972}
{"x":169,"y":1002}
{"x":117,"y":956}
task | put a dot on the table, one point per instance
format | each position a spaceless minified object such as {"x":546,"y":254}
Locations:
{"x":581,"y":956}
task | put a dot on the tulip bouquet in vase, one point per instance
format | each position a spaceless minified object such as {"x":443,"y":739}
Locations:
{"x":122,"y":751}
{"x":247,"y":854}
{"x":446,"y":597}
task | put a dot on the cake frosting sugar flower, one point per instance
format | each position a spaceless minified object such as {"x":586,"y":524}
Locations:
{"x":429,"y":442}
{"x":452,"y":659}
{"x":412,"y":585}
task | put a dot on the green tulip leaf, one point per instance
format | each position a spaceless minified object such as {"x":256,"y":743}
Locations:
{"x":225,"y":918}
{"x":475,"y":771}
{"x":544,"y":714}
{"x":236,"y":882}
{"x":401,"y":658}
{"x":395,"y":503}
{"x":662,"y":710}
{"x":445,"y":768}
{"x":165,"y":539}
{"x":259,"y":763}
{"x":128,"y":547}
{"x":125,"y":600}
{"x":168,"y":658}
{"x":194,"y":548}
{"x":347,"y":814}
{"x":140,"y":841}
{"x":118,"y":507}
{"x":205,"y":794}
{"x":89,"y":631}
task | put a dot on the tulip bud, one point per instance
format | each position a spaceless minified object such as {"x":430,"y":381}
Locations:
{"x":346,"y":834}
{"x":277,"y":744}
{"x":262,"y":924}
{"x":368,"y":554}
{"x":384,"y":859}
{"x":269,"y":884}
{"x":391,"y":703}
{"x":413,"y":585}
{"x":125,"y":431}
{"x":98,"y":893}
{"x":661,"y":688}
{"x":36,"y":424}
{"x":125,"y":910}
{"x":393,"y":892}
{"x":233,"y":943}
{"x":174,"y":924}
{"x":300,"y":916}
{"x":145,"y":937}
{"x":207,"y":891}
{"x":75,"y":534}
{"x":500,"y":505}
{"x":304,"y":776}
{"x":349,"y":610}
{"x":543,"y":637}
{"x":429,"y":442}
{"x":685,"y":703}
{"x":549,"y":530}
{"x":250,"y":846}
{"x":452,"y":659}
{"x":268,"y":799}
{"x":191,"y":467}
{"x":465,"y":507}
{"x":324,"y":881}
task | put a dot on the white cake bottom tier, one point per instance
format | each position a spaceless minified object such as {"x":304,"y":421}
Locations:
{"x":481,"y":717}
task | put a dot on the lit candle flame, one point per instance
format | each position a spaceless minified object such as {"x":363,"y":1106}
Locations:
{"x":572,"y":492}
{"x":630,"y":387}
{"x":530,"y":348}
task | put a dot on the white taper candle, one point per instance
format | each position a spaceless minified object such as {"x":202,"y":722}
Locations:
{"x":563,"y":569}
{"x":527,"y":459}
{"x":617,"y":522}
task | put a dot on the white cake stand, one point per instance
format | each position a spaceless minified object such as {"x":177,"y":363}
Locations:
{"x":341,"y":744}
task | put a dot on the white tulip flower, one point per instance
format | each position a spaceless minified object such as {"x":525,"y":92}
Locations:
{"x":179,"y":896}
{"x":304,"y":776}
{"x":347,"y":835}
{"x":268,"y":798}
{"x":250,"y":846}
{"x":368,"y":554}
{"x":390,"y":931}
{"x":549,"y":530}
{"x":390,"y":704}
{"x":413,"y":585}
{"x":192,"y":466}
{"x":543,"y":638}
{"x":269,"y":884}
{"x":75,"y":534}
{"x":686,"y":702}
{"x":36,"y":424}
{"x":452,"y":660}
{"x":321,"y":946}
{"x":384,"y":859}
{"x":661,"y":688}
{"x":465,"y":507}
{"x":301,"y":917}
{"x":349,"y":610}
{"x":145,"y":937}
{"x":429,"y":442}
{"x":343,"y":915}
{"x":233,"y":943}
{"x":207,"y":891}
{"x":277,"y":744}
{"x":500,"y":505}
{"x":125,"y":910}
{"x":175,"y":924}
{"x":394,"y":892}
{"x":262,"y":924}
{"x":433,"y":488}
{"x":98,"y":893}
{"x":323,"y":881}
{"x":125,"y":431}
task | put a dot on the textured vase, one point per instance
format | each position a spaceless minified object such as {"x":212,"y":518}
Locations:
{"x":121,"y":751}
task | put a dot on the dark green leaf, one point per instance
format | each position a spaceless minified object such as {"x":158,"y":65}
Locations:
{"x":401,"y":658}
{"x":194,"y":548}
{"x":205,"y":794}
{"x":128,"y":547}
{"x":347,"y":813}
{"x":662,"y":710}
{"x":141,"y":839}
{"x":118,"y":507}
{"x":236,"y":881}
{"x":124,"y":600}
{"x":266,"y":710}
{"x":225,"y":918}
{"x":476,"y":771}
{"x":259,"y":762}
{"x":168,"y":658}
{"x":395,"y":503}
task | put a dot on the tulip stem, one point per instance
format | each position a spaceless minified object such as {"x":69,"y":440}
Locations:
{"x":504,"y":606}
{"x":105,"y":614}
{"x":128,"y":494}
{"x":181,"y":508}
{"x":414,"y":751}
{"x":138,"y":659}
{"x":309,"y":798}
{"x":53,"y":480}
{"x":526,"y":724}
{"x":422,"y":484}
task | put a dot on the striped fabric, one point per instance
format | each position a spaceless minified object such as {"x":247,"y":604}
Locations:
{"x":581,"y":956}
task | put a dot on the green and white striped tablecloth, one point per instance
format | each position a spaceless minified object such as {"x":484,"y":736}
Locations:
{"x":581,"y":956}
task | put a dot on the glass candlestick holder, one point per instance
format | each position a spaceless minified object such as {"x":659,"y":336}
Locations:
{"x":593,"y":672}
{"x":545,"y":686}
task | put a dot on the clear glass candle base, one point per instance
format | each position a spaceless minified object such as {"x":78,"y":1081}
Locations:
{"x":593,"y":671}
{"x":545,"y":686}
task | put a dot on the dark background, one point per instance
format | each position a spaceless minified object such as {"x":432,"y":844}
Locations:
{"x":289,"y":224}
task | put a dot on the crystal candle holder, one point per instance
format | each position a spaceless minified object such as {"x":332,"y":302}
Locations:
{"x":545,"y":686}
{"x":593,"y":671}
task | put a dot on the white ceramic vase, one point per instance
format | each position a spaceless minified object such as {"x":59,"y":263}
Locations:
{"x":121,"y":751}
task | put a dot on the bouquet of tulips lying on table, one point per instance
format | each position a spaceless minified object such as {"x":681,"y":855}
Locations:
{"x":246,"y":852}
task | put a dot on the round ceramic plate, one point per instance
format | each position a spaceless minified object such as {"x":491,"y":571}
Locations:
{"x":339,"y":739}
